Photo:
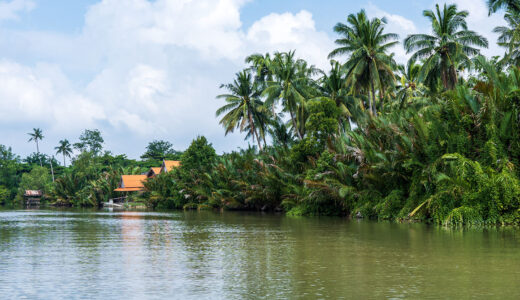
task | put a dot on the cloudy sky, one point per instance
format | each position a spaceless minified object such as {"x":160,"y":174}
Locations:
{"x":140,"y":70}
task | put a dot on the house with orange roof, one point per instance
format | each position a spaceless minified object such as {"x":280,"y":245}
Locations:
{"x":135,"y":183}
{"x":153,"y":172}
{"x":131,"y":183}
{"x":169,"y":165}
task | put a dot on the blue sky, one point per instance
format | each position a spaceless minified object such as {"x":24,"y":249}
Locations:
{"x":141,"y":70}
{"x":328,"y":13}
{"x":68,"y":16}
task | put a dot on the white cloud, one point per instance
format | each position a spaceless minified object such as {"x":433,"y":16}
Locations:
{"x":284,"y":32}
{"x":211,"y":27}
{"x":9,"y":10}
{"x":43,"y":94}
{"x":144,"y":70}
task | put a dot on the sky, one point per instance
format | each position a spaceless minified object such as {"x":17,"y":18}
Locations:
{"x":141,"y":70}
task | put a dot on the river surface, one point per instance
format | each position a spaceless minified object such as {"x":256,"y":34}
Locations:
{"x":47,"y":254}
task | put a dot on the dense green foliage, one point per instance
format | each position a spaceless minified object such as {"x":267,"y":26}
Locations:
{"x":158,"y":150}
{"x":90,"y":140}
{"x":371,"y":138}
{"x":436,"y":140}
{"x":10,"y":173}
{"x":88,"y":181}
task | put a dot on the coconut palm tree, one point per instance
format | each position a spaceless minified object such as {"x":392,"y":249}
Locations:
{"x":367,"y":44}
{"x":449,"y":46}
{"x":243,"y":106}
{"x":261,"y":66}
{"x":279,"y":132}
{"x":65,"y":148}
{"x":511,"y":5}
{"x":36,"y":135}
{"x":292,"y":85}
{"x":510,"y":36}
{"x":409,"y":85}
{"x":332,"y":86}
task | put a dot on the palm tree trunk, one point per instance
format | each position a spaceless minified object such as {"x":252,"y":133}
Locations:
{"x":295,"y":126}
{"x":258,"y":140}
{"x":302,"y":121}
{"x":64,"y":160}
{"x":52,"y":169}
{"x":254,"y":131}
{"x":38,"y":152}
{"x":372,"y":107}
{"x":453,"y":77}
{"x":445,"y":71}
{"x":382,"y":96}
{"x":444,"y":79}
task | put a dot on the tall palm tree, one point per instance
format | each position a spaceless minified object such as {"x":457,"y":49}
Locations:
{"x":279,"y":132}
{"x":292,"y":85}
{"x":65,"y":148}
{"x":450,"y":45}
{"x":36,"y":135}
{"x":511,"y":5}
{"x":261,"y":65}
{"x":367,"y":44}
{"x":510,"y":36}
{"x":409,"y":85}
{"x":333,"y":87}
{"x":243,"y":106}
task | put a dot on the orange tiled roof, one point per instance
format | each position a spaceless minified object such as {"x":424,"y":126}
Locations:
{"x":169,"y":165}
{"x":153,"y":172}
{"x":128,"y":189}
{"x":131,"y":183}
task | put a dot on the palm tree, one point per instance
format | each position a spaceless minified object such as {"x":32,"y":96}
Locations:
{"x":510,"y":36}
{"x":36,"y":135}
{"x":450,"y":45}
{"x":332,"y":86}
{"x":243,"y":106}
{"x":279,"y":132}
{"x":409,"y":85}
{"x":367,"y":44}
{"x":292,"y":85}
{"x":65,"y":148}
{"x":511,"y":5}
{"x":261,"y":65}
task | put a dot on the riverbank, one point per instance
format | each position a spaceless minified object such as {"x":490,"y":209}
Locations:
{"x":139,"y":207}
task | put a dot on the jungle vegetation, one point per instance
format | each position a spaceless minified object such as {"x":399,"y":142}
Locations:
{"x":435,"y":140}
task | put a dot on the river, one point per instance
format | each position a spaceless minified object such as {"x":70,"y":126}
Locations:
{"x":53,"y":254}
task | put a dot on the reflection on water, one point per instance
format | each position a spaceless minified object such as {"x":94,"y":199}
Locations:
{"x":145,"y":255}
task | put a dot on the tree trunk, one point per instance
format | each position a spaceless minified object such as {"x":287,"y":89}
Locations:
{"x":453,"y":77}
{"x":295,"y":126}
{"x":38,"y":152}
{"x":52,"y":169}
{"x":254,"y":131}
{"x":64,"y":160}
{"x":302,"y":124}
{"x":382,"y":96}
{"x":373,"y":110}
{"x":258,"y":140}
{"x":444,"y":79}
